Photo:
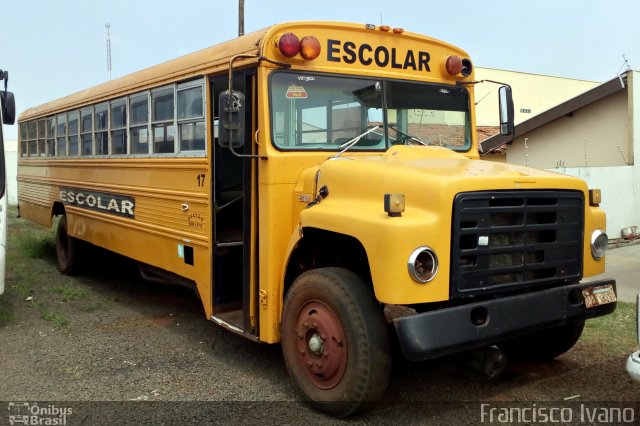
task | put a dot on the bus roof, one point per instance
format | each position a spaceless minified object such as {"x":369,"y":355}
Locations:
{"x":207,"y":61}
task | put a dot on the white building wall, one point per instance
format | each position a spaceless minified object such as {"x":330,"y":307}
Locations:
{"x":594,"y":136}
{"x":533,"y":93}
{"x":620,"y":196}
{"x":620,"y":185}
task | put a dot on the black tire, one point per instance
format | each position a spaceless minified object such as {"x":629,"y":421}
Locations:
{"x":66,"y":249}
{"x":544,"y":346}
{"x":332,"y":306}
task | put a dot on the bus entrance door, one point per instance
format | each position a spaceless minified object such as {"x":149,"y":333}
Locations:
{"x":232,"y":209}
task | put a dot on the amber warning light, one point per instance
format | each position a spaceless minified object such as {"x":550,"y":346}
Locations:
{"x":290,"y":45}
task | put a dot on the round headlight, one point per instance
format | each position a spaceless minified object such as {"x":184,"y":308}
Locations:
{"x":423,"y":264}
{"x":599,"y":241}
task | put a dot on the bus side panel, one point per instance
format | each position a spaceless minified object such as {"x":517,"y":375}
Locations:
{"x":149,"y":246}
{"x":155,"y":211}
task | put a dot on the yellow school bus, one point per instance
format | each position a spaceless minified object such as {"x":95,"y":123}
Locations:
{"x":318,"y":184}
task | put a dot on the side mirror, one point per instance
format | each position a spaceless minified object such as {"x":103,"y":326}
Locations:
{"x":8,"y":103}
{"x":506,"y":110}
{"x":231,"y":111}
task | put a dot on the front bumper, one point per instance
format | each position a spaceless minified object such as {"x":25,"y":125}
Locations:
{"x":445,"y":331}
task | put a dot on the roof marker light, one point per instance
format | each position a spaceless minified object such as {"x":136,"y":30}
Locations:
{"x":398,"y":30}
{"x":385,"y":28}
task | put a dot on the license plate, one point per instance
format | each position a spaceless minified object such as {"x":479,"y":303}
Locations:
{"x":596,"y":296}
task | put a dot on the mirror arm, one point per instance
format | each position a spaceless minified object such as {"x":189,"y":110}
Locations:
{"x":233,"y":151}
{"x":230,"y":91}
{"x":465,"y":83}
{"x":231,"y":61}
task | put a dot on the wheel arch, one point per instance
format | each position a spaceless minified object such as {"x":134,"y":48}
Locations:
{"x":57,"y":209}
{"x":321,"y":248}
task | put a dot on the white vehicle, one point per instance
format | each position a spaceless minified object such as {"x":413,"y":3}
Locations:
{"x":633,"y":363}
{"x":8,"y":112}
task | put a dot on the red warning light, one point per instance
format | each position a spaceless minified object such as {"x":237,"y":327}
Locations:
{"x":289,"y":45}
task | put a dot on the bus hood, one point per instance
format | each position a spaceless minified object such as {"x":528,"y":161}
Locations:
{"x":428,"y":174}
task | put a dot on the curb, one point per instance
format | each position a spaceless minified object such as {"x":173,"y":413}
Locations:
{"x":620,"y":242}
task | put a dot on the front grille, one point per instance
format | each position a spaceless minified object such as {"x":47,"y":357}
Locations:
{"x":511,"y":240}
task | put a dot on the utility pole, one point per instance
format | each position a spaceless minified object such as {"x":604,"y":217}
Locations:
{"x":108,"y":28}
{"x":240,"y":18}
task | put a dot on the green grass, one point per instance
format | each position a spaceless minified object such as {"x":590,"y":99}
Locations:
{"x":57,"y":318}
{"x":70,"y":293}
{"x":35,"y":245}
{"x":98,"y":306}
{"x":6,"y":313}
{"x":616,"y":331}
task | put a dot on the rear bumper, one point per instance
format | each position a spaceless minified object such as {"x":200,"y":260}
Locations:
{"x":445,"y":331}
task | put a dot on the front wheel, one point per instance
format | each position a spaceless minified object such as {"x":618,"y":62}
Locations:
{"x":335,"y":341}
{"x":544,"y":346}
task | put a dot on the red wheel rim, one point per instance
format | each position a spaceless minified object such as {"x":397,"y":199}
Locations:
{"x":321,"y":344}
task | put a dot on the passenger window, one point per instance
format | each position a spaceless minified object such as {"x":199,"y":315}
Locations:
{"x":86,"y":130}
{"x":191,"y":119}
{"x":73,"y":134}
{"x":163,"y":120}
{"x":119,"y":126}
{"x":101,"y":126}
{"x":139,"y":120}
{"x":61,"y":146}
{"x":51,"y":136}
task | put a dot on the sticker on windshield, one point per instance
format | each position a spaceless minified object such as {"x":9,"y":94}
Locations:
{"x":296,"y":92}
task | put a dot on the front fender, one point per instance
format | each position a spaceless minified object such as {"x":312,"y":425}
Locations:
{"x":388,"y":242}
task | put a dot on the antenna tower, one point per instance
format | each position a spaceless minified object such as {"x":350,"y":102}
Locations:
{"x":108,"y":28}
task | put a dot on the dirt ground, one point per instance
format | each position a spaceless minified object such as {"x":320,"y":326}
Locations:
{"x":107,"y":335}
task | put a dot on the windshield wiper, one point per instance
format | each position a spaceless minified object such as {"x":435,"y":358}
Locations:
{"x":351,"y":142}
{"x":406,"y":137}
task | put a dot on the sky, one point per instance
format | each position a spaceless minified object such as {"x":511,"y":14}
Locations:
{"x":53,"y":48}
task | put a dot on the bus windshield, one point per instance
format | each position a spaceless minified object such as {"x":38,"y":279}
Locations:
{"x":320,"y":112}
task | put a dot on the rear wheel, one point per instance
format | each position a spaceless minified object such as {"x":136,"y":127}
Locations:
{"x":335,"y":341}
{"x":544,"y":346}
{"x":66,"y":249}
